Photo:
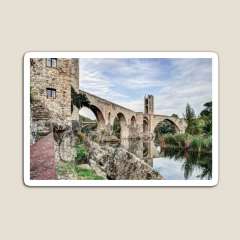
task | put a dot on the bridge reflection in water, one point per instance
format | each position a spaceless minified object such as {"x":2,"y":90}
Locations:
{"x":172,"y":164}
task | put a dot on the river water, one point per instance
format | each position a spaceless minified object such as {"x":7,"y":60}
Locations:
{"x":172,"y":164}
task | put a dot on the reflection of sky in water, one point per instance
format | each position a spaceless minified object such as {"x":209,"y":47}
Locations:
{"x":171,"y":169}
{"x":172,"y":165}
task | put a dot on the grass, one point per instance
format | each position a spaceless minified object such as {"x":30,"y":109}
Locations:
{"x":70,"y":170}
{"x":81,"y":153}
{"x":192,"y":142}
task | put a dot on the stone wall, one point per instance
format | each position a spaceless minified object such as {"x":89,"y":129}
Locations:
{"x":54,"y":114}
{"x":61,"y":78}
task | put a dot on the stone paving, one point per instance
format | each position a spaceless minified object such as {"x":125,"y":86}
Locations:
{"x":42,"y":154}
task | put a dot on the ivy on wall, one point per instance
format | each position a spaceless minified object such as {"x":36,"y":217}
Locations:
{"x":78,"y":99}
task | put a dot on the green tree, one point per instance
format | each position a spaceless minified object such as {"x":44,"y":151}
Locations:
{"x":79,"y":100}
{"x":206,"y":115}
{"x":164,"y":127}
{"x":190,"y":117}
{"x":189,"y":114}
{"x":207,"y":111}
{"x":82,"y":100}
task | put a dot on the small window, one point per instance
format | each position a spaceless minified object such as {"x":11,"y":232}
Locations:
{"x":52,"y":62}
{"x":51,"y":93}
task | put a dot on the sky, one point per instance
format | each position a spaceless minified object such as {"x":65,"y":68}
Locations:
{"x":172,"y":82}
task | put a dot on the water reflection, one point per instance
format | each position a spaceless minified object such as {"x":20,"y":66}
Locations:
{"x":173,"y":164}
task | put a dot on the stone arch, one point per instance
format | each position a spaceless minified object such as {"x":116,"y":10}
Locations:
{"x":133,"y":127}
{"x":177,"y":128}
{"x":123,"y":125}
{"x":98,"y":114}
{"x":109,"y":118}
{"x":133,"y":121}
{"x":145,"y":126}
{"x":173,"y":123}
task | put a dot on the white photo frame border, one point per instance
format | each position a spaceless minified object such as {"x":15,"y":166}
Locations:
{"x":121,"y":183}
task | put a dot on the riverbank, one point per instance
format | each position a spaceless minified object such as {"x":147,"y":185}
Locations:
{"x":195,"y":143}
{"x":95,"y":161}
{"x":120,"y":164}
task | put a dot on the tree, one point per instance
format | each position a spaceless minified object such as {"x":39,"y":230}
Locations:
{"x":175,"y":115}
{"x":82,"y":100}
{"x":190,"y":118}
{"x":79,"y":99}
{"x":206,"y":115}
{"x":164,"y":127}
{"x":207,"y":112}
{"x":189,"y":114}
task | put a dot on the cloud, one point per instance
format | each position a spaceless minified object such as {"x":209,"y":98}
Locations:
{"x":173,"y":82}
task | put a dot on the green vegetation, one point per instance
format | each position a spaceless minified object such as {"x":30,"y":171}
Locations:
{"x":198,"y":135}
{"x":78,"y":99}
{"x":164,"y":127}
{"x":206,"y":115}
{"x":117,"y":128}
{"x":201,"y":124}
{"x":70,"y":170}
{"x":74,"y":169}
{"x":81,"y":154}
{"x":188,"y":142}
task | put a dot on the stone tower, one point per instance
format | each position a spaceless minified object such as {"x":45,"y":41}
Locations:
{"x":51,"y":82}
{"x":148,"y":104}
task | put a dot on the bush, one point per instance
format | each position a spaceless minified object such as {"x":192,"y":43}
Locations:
{"x":81,"y":154}
{"x":170,"y":139}
{"x":201,"y":143}
{"x":181,"y":140}
{"x":196,"y":144}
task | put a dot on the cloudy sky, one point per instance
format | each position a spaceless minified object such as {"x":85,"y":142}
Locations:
{"x":173,"y":82}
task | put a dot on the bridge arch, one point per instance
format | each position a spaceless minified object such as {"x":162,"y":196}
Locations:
{"x":145,"y":125}
{"x":98,"y":114}
{"x":122,"y":123}
{"x":133,"y":127}
{"x":167,"y":126}
{"x":133,"y":121}
{"x":109,"y":118}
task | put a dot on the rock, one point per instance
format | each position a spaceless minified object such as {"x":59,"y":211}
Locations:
{"x":98,"y":170}
{"x":120,"y":164}
{"x":111,"y":139}
{"x":85,"y":166}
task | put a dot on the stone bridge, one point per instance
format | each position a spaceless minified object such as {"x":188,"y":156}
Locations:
{"x":133,"y":124}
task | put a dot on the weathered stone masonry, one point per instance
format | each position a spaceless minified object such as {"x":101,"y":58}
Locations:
{"x":59,"y":78}
{"x":51,"y":82}
{"x":133,"y":124}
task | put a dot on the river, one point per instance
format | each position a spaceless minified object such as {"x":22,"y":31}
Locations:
{"x":172,"y":164}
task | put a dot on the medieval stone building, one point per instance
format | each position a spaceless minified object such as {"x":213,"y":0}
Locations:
{"x":52,"y":110}
{"x":51,"y":82}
